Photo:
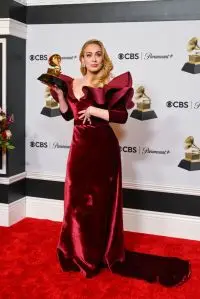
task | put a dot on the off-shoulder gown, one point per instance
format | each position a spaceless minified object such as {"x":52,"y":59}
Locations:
{"x":92,"y":230}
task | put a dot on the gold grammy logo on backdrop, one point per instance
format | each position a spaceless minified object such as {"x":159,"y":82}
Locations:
{"x":143,"y":109}
{"x":193,"y":64}
{"x":50,"y":78}
{"x":192,"y":155}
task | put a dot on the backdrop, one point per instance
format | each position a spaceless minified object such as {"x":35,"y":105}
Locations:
{"x":154,"y":53}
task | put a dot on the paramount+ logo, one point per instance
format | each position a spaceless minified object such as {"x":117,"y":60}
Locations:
{"x":44,"y":57}
{"x":143,"y":150}
{"x":48,"y":144}
{"x":144,"y":56}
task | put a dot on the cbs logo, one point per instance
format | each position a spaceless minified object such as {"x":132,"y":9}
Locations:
{"x":38,"y":144}
{"x":122,"y":56}
{"x":128,"y":149}
{"x":38,"y":57}
{"x":177,"y":104}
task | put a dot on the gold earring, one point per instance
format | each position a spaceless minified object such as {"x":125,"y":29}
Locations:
{"x":83,"y":65}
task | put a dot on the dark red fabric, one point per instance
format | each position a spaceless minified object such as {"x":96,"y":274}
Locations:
{"x":92,"y":231}
{"x":116,"y":96}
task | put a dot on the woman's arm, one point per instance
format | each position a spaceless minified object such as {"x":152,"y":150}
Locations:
{"x":65,"y":110}
{"x":59,"y":98}
{"x":115,"y":115}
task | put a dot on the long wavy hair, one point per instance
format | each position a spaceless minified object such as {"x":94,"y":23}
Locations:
{"x":104,"y":74}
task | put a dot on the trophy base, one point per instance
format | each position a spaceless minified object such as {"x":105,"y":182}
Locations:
{"x":188,"y":165}
{"x":143,"y":115}
{"x":50,"y":112}
{"x":51,"y":80}
{"x":191,"y":68}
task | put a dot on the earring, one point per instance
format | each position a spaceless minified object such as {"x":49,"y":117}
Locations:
{"x":83,"y":65}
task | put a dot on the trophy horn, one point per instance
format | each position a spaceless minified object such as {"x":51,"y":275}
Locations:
{"x":193,"y":44}
{"x":54,"y":60}
{"x":140,"y":92}
{"x":189,"y":143}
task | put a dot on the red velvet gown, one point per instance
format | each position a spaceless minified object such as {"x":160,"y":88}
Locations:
{"x":92,"y":229}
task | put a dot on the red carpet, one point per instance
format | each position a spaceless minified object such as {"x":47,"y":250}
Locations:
{"x":29,"y":267}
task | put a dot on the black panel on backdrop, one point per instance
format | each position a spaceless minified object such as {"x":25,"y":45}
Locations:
{"x":18,"y":12}
{"x":44,"y":189}
{"x":4,"y":8}
{"x":16,"y":55}
{"x":12,"y":192}
{"x":103,"y":12}
{"x":4,"y":193}
{"x":12,"y":9}
{"x":133,"y":199}
{"x":162,"y":202}
{"x":115,"y":12}
{"x":16,"y":191}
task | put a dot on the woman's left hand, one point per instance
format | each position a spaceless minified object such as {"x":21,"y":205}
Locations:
{"x":85,"y":115}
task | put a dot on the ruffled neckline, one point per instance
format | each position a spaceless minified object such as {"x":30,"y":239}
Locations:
{"x":118,"y":89}
{"x":117,"y":82}
{"x":84,"y":90}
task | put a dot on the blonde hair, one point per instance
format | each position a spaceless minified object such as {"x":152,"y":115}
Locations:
{"x":105,"y":72}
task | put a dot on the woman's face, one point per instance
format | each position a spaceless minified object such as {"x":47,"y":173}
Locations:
{"x":93,"y":58}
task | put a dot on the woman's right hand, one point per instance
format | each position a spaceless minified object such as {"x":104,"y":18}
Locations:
{"x":58,"y":91}
{"x":60,"y":96}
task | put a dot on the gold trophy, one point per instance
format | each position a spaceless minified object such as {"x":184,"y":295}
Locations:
{"x":51,"y":78}
{"x":143,"y":109}
{"x":193,"y":65}
{"x":192,"y":155}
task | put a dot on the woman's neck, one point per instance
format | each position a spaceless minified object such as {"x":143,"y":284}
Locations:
{"x":90,"y":78}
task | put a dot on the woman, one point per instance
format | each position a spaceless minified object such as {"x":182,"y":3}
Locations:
{"x":92,"y":231}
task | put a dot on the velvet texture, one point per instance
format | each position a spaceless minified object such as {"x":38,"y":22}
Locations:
{"x":91,"y":235}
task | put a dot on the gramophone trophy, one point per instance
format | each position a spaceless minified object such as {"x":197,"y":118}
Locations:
{"x":193,"y":65}
{"x":143,"y":109}
{"x":51,"y":78}
{"x":192,"y":155}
